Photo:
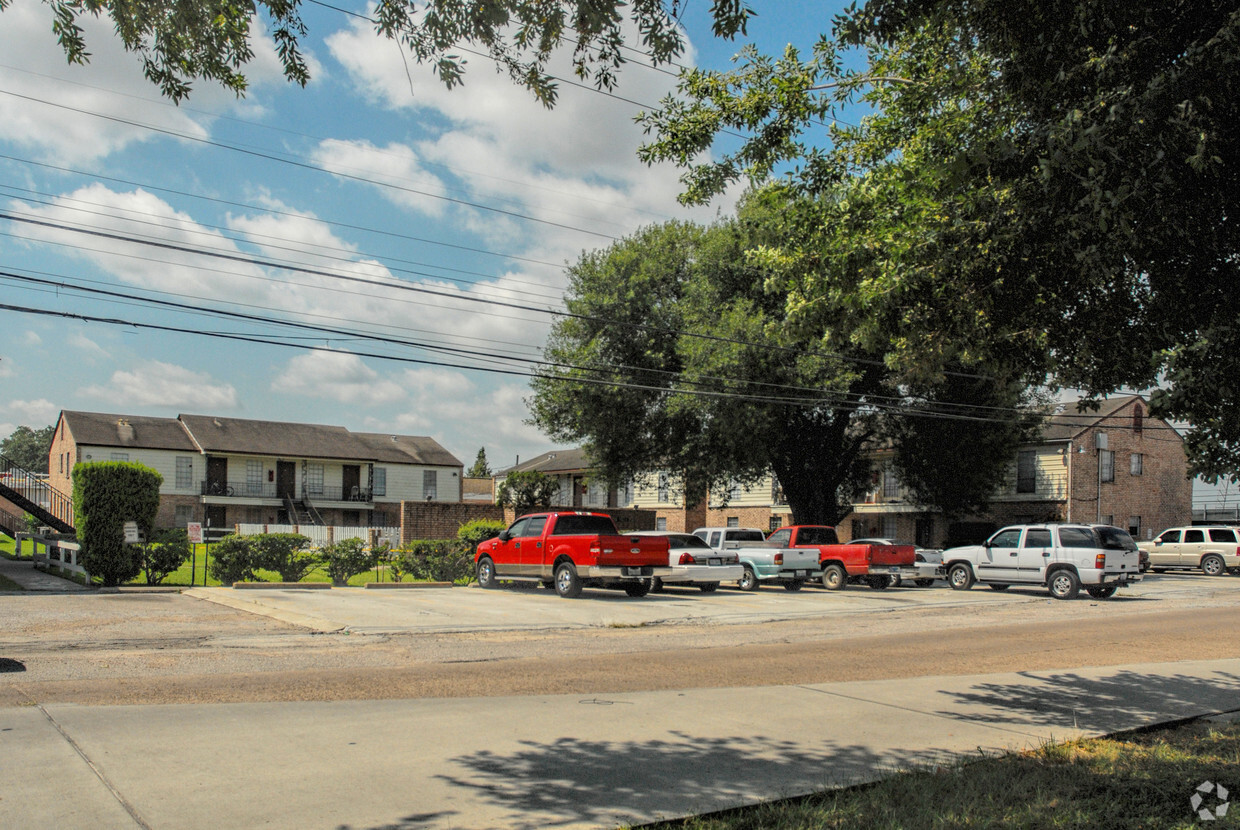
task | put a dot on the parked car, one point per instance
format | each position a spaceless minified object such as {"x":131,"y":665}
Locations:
{"x":1063,"y":557}
{"x":879,"y":565}
{"x":927,"y":561}
{"x":1213,"y":550}
{"x":762,"y":561}
{"x":694,"y":563}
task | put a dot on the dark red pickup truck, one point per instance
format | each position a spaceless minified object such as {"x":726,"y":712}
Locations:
{"x":572,"y":550}
{"x":875,"y":565}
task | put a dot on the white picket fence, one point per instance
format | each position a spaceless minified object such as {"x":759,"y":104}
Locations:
{"x":321,"y":535}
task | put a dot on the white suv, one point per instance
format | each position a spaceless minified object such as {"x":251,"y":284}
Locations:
{"x":1215,"y":550}
{"x":1060,"y":556}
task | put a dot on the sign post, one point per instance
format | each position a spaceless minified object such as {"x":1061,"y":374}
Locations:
{"x":194,"y":529}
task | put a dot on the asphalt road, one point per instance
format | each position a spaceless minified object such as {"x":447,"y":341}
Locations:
{"x":461,"y":643}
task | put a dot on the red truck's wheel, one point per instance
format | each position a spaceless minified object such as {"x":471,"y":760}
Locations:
{"x":567,"y":583}
{"x":486,"y":573}
{"x":637,"y":589}
{"x":834,"y":578}
{"x":794,"y":584}
{"x":880,"y":583}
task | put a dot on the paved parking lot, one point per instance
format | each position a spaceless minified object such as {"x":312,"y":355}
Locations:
{"x":516,"y":609}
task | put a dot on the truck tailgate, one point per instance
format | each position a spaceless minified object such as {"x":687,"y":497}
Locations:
{"x":886,"y":556}
{"x":632,"y":550}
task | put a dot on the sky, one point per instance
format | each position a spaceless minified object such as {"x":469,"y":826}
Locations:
{"x":373,"y":200}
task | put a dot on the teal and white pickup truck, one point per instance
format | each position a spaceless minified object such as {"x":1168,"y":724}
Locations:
{"x":762,"y":561}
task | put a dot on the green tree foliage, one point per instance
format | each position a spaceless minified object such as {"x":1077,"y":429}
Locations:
{"x":472,"y":534}
{"x":346,"y":559}
{"x":234,"y":559}
{"x":106,"y":494}
{"x":287,"y":554}
{"x":179,"y":42}
{"x":480,"y":469}
{"x":526,"y":490}
{"x":29,"y":448}
{"x":1062,"y":174}
{"x":168,"y":551}
{"x":732,"y":385}
{"x":436,"y":560}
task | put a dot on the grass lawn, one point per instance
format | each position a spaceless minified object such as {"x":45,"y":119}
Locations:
{"x":1137,"y":780}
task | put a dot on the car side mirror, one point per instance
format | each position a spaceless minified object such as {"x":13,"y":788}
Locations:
{"x":504,"y":536}
{"x":1157,"y":542}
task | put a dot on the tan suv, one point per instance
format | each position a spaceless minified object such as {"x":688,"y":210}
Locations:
{"x":1215,"y":550}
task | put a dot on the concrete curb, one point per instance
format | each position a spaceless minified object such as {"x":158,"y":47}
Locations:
{"x":144,"y":589}
{"x":385,"y":585}
{"x":313,"y":586}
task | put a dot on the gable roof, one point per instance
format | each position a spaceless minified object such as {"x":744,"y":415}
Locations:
{"x":238,"y":435}
{"x":407,"y":449}
{"x":556,"y":461}
{"x":1068,"y":423}
{"x":103,"y":430}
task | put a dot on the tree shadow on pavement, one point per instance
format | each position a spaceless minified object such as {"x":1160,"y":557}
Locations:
{"x":574,"y":781}
{"x":1102,"y":704}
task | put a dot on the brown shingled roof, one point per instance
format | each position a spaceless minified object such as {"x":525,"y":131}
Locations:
{"x":104,"y":430}
{"x":237,"y":435}
{"x":407,"y":449}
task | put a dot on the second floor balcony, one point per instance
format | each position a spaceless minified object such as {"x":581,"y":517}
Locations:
{"x":273,"y":492}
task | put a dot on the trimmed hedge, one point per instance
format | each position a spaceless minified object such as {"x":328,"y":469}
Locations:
{"x":106,"y":494}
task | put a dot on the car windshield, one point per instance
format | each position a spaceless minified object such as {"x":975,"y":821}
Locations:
{"x":1115,"y":539}
{"x":685,"y":540}
{"x":572,"y":525}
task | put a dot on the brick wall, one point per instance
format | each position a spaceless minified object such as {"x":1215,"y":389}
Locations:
{"x":166,"y":515}
{"x":441,"y":520}
{"x":758,"y":517}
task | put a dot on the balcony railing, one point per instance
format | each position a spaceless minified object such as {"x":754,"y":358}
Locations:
{"x":246,"y":490}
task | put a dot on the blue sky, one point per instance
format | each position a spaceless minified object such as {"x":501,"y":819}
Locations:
{"x":322,"y":205}
{"x":374,"y":200}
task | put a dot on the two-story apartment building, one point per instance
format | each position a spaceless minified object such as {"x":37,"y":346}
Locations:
{"x":1115,"y":466}
{"x":227,"y":471}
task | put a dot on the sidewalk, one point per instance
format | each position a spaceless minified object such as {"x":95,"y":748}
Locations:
{"x":24,"y":574}
{"x":562,"y":761}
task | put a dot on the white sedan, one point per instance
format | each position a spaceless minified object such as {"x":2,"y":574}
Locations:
{"x":929,"y":562}
{"x":694,"y":563}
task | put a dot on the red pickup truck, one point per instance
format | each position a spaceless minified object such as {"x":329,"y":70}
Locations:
{"x":572,"y":550}
{"x":875,"y":565}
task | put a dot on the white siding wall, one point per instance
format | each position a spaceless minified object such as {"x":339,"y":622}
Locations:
{"x":162,"y":461}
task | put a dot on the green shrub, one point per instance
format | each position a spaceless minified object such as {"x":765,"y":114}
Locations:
{"x":106,"y":494}
{"x":165,"y":554}
{"x":287,"y":554}
{"x":347,"y":558}
{"x":233,"y":559}
{"x":437,"y":560}
{"x":472,"y":534}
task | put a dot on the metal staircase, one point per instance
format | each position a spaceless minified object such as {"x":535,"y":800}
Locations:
{"x":31,"y":493}
{"x":301,"y":512}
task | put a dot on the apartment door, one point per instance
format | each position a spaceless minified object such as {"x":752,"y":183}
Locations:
{"x":351,"y":479}
{"x":217,"y":475}
{"x":286,"y":480}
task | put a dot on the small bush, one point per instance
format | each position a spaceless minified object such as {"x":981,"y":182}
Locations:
{"x":439,"y":560}
{"x":165,"y":554}
{"x":287,"y":554}
{"x":233,"y":560}
{"x":347,"y":558}
{"x":472,"y":534}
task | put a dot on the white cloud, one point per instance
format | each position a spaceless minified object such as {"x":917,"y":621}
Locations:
{"x":49,"y":109}
{"x":335,"y":376}
{"x":35,"y":414}
{"x":31,"y":338}
{"x":85,"y":344}
{"x":155,"y":383}
{"x":396,"y":166}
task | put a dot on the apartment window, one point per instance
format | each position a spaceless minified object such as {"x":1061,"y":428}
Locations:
{"x":733,"y":521}
{"x":430,"y":484}
{"x":660,"y":523}
{"x":663,"y":488}
{"x":734,"y":490}
{"x":183,"y":514}
{"x":1027,"y":471}
{"x":1106,"y":465}
{"x":1138,"y":419}
{"x":185,"y":473}
{"x":120,"y":456}
{"x":62,"y":463}
{"x":891,"y":484}
{"x":314,"y":479}
{"x":378,"y":481}
{"x":775,"y":524}
{"x":1136,"y":463}
{"x":1134,"y":527}
{"x":891,"y":527}
{"x":253,"y":476}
